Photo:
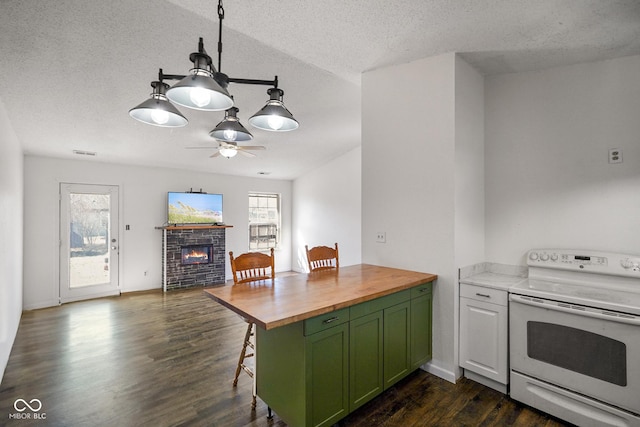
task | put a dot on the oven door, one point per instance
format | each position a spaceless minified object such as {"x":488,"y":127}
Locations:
{"x":592,"y":352}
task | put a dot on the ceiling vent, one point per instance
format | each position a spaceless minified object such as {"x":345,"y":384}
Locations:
{"x":84,"y":153}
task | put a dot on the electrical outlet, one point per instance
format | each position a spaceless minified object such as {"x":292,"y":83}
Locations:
{"x":615,"y":155}
{"x":381,"y":237}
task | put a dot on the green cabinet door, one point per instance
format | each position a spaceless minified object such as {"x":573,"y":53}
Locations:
{"x":315,"y":372}
{"x":327,"y":375}
{"x":302,"y":369}
{"x":280,"y":371}
{"x":421,"y":308}
{"x":365,"y":359}
{"x":397,"y":343}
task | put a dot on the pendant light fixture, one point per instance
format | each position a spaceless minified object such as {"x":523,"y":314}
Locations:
{"x":199,"y":90}
{"x":274,"y":116}
{"x":157,"y":110}
{"x":205,"y":88}
{"x":230,"y":129}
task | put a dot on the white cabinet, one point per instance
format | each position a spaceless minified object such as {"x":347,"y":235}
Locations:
{"x":484,"y":334}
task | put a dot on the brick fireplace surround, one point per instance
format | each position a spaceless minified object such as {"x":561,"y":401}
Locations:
{"x":178,"y":276}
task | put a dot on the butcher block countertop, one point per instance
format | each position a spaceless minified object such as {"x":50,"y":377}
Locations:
{"x":298,"y":297}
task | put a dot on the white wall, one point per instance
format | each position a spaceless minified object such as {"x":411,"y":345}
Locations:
{"x":548,"y":182}
{"x":408,"y":185}
{"x":11,"y":209}
{"x":143,"y":192}
{"x":469,"y":166}
{"x":469,"y":230}
{"x":327,"y":209}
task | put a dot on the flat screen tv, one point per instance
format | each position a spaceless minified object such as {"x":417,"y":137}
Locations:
{"x":194,"y":208}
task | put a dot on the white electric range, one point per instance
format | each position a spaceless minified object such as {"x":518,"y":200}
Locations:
{"x":574,"y":328}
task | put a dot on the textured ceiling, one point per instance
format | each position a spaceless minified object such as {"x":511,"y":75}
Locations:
{"x":71,"y":69}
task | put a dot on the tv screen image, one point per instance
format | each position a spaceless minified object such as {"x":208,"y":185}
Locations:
{"x":194,"y":208}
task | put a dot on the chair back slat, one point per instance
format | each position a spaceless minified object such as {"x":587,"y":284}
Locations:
{"x":322,"y":258}
{"x":252,"y":267}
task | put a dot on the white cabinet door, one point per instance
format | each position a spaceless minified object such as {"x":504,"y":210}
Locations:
{"x":483,"y":339}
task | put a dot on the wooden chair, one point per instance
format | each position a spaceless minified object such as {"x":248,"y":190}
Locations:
{"x":246,"y":268}
{"x":322,"y":258}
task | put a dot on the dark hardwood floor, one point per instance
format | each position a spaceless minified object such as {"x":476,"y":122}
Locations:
{"x":154,"y":359}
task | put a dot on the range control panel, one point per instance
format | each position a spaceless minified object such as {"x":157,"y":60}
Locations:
{"x":588,"y":261}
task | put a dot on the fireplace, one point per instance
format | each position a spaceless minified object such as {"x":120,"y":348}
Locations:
{"x":193,"y":256}
{"x":196,"y":254}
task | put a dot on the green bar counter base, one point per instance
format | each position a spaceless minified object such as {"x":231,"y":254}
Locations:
{"x":339,"y":340}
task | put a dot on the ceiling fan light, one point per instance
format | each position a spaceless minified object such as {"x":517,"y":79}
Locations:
{"x":230,"y":129}
{"x":274,"y":116}
{"x":157,"y":110}
{"x":227,"y":152}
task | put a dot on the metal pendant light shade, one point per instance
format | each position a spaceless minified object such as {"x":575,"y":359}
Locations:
{"x":274,"y":116}
{"x":230,"y":129}
{"x":157,"y":110}
{"x":199,"y":90}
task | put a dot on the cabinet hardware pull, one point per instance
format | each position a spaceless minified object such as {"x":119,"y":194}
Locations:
{"x":483,"y":295}
{"x":331,"y":319}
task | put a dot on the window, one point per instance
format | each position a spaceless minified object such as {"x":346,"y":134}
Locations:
{"x":264,"y":221}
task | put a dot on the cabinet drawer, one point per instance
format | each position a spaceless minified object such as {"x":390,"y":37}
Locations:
{"x":326,"y":321}
{"x":480,"y":293}
{"x":424,"y":289}
{"x":378,"y":304}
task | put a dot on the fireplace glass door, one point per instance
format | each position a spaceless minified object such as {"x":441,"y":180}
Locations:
{"x":88,"y":241}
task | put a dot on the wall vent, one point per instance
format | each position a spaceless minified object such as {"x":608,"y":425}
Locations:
{"x":84,"y":153}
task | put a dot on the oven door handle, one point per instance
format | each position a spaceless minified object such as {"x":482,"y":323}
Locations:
{"x":578,"y":310}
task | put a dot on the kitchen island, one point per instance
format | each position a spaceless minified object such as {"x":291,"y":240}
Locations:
{"x":330,"y":341}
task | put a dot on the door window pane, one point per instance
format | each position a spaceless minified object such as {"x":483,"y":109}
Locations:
{"x":89,"y":240}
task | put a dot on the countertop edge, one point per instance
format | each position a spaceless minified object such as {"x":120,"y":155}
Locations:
{"x":429,"y":278}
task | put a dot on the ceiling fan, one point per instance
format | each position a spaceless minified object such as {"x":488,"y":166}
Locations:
{"x":229,"y":149}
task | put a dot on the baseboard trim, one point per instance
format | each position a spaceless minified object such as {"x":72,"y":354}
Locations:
{"x":435,"y":367}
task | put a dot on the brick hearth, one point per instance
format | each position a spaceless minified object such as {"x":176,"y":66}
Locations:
{"x":178,"y":276}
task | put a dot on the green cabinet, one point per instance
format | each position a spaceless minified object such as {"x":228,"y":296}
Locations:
{"x":317,"y":371}
{"x":397,"y":343}
{"x":380,"y":345}
{"x":421,"y":317}
{"x":365,"y":359}
{"x":302,"y":369}
{"x":327,"y":373}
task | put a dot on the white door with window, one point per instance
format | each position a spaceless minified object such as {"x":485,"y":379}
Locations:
{"x":89,"y":241}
